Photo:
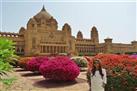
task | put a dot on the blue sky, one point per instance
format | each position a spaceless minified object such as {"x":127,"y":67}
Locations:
{"x":113,"y":19}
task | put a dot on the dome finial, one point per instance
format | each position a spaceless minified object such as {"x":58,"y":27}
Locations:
{"x":43,"y":9}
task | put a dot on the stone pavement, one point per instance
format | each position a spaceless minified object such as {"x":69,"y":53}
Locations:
{"x":29,"y":81}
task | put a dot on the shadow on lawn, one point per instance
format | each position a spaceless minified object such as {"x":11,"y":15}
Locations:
{"x":57,"y":84}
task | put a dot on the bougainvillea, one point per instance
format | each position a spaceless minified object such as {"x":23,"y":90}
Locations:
{"x":23,"y":62}
{"x":134,"y":56}
{"x":60,"y":68}
{"x":121,"y":71}
{"x":34,"y":63}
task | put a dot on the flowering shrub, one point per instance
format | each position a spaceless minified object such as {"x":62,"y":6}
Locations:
{"x":81,"y":62}
{"x":60,"y":68}
{"x":34,"y":63}
{"x":23,"y":62}
{"x":134,"y":56}
{"x":121,"y":71}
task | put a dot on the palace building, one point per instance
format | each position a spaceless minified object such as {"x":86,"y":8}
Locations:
{"x":42,"y":37}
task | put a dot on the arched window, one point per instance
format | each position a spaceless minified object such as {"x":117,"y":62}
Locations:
{"x":33,"y":25}
{"x":44,"y":49}
{"x":22,"y":50}
{"x":18,"y":50}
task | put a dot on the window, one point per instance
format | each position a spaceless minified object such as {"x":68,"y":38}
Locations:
{"x":18,"y":50}
{"x":22,"y":50}
{"x":70,"y":47}
{"x":32,"y":25}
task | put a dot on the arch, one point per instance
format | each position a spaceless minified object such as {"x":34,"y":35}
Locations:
{"x":18,"y":50}
{"x":22,"y":50}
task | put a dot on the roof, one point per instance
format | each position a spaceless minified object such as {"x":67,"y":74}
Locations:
{"x":43,"y":14}
{"x":94,"y":29}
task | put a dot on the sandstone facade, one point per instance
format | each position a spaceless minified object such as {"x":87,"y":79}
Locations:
{"x":42,"y":37}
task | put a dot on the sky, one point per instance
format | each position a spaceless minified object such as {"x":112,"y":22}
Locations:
{"x":113,"y":18}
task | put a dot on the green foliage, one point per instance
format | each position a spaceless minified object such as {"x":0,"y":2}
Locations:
{"x":6,"y":53}
{"x":6,"y":56}
{"x":80,"y":62}
{"x":87,"y":54}
{"x":81,"y":54}
{"x":4,"y":67}
{"x":6,"y":50}
{"x":88,"y":75}
{"x":116,"y":69}
{"x":8,"y":81}
{"x":114,"y":83}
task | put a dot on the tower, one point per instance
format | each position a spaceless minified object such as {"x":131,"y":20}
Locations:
{"x":134,"y":43}
{"x":94,"y":35}
{"x":108,"y":45}
{"x":67,"y":29}
{"x":40,"y":22}
{"x":79,"y":35}
{"x":70,"y":41}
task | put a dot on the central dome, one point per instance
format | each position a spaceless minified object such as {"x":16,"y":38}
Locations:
{"x":43,"y":14}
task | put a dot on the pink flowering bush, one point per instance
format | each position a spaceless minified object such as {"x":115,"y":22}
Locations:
{"x":134,"y":56}
{"x":60,"y":68}
{"x":34,"y":63}
{"x":23,"y":62}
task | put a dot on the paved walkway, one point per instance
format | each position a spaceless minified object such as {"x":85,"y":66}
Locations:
{"x":28,"y":81}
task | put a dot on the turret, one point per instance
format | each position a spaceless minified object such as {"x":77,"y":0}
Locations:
{"x":94,"y":35}
{"x":108,"y":40}
{"x":108,"y":45}
{"x":79,"y":35}
{"x":134,"y":43}
{"x":22,"y":31}
{"x":53,"y":23}
{"x":31,"y":25}
{"x":66,"y":28}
